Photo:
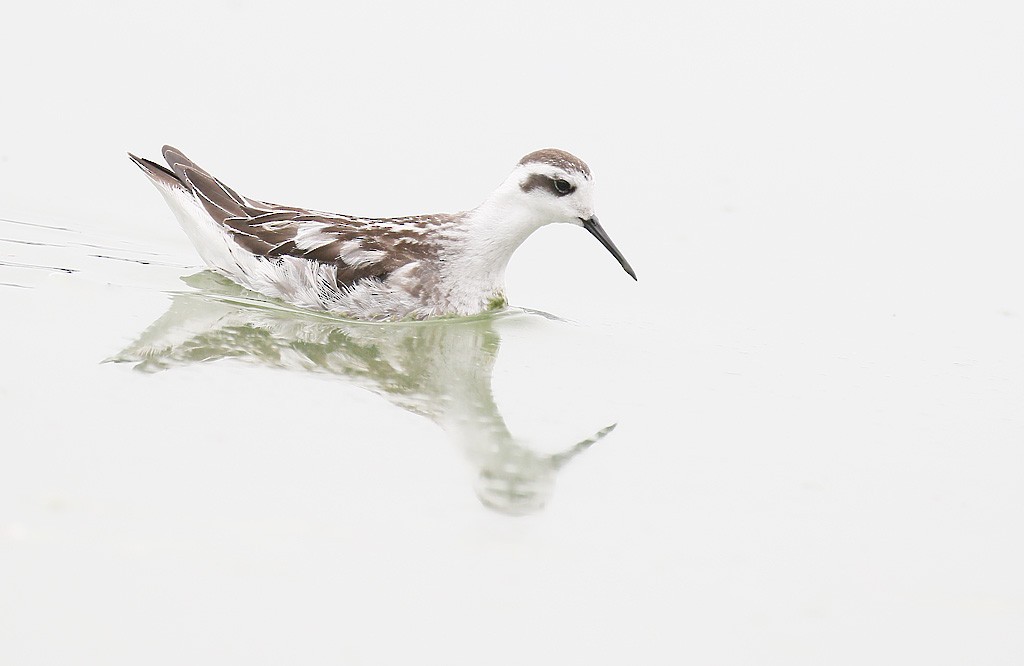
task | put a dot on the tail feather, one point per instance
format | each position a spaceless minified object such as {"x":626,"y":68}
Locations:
{"x":157,"y":173}
{"x":219,"y":200}
{"x":199,"y":203}
{"x":178,"y":162}
{"x":211,"y":188}
{"x":212,"y":194}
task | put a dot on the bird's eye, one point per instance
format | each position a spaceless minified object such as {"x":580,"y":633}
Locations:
{"x":562,"y":186}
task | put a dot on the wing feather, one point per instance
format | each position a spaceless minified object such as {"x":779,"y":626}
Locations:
{"x":360,"y":248}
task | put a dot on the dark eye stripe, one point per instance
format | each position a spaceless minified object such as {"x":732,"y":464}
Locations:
{"x":552,"y":185}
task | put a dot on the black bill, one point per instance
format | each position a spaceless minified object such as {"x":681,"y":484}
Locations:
{"x":594,"y":227}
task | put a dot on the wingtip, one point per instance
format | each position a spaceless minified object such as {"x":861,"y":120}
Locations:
{"x":169,"y":149}
{"x":175,"y":158}
{"x":152,"y":169}
{"x":140,"y":162}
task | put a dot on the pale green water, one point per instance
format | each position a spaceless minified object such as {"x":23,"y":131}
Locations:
{"x":172,"y":438}
{"x":440,"y":370}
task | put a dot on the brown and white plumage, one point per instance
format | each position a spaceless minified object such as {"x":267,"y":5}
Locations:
{"x":376,"y":268}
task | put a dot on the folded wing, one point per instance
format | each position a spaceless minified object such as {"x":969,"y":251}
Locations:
{"x":360,"y":248}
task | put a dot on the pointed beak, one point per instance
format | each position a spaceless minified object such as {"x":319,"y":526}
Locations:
{"x":594,"y":227}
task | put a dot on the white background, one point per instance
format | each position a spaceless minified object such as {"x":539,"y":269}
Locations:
{"x":818,"y":378}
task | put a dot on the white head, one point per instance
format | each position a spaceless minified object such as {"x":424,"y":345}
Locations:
{"x":556,"y":187}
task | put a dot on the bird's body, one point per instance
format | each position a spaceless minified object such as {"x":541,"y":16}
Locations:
{"x":377,"y":268}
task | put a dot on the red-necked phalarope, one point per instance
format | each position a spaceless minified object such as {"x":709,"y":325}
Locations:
{"x":369,"y":268}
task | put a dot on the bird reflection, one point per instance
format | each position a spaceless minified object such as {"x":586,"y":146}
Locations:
{"x":437,"y":369}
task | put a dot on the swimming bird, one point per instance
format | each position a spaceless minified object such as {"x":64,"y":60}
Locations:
{"x":397,"y":268}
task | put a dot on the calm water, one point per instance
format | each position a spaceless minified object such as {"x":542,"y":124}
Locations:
{"x":440,"y":370}
{"x":798,"y":439}
{"x":185,"y":456}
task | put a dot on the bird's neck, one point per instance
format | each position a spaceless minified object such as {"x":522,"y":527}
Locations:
{"x":487,"y":238}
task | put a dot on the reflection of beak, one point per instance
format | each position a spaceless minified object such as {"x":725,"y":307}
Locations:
{"x":594,"y":227}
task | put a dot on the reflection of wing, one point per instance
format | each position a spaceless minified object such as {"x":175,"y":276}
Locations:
{"x":419,"y":366}
{"x":437,"y":369}
{"x":360,"y":248}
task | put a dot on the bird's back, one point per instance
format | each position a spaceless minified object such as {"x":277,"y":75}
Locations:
{"x":363,"y":267}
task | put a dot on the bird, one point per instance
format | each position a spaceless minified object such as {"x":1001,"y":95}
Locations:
{"x":378,"y":269}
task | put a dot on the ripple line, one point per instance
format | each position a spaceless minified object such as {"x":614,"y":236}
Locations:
{"x":14,"y":264}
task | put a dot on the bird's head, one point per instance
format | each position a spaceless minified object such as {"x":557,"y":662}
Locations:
{"x":557,"y":187}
